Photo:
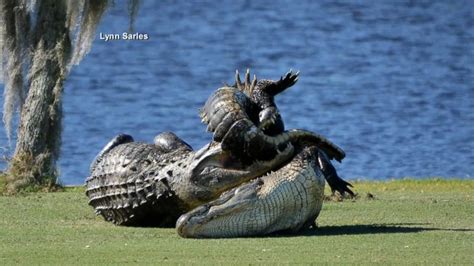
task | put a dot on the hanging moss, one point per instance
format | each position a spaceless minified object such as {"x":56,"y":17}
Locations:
{"x":40,"y":41}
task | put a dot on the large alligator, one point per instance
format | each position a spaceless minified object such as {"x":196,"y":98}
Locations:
{"x":142,"y":184}
{"x":288,"y":199}
{"x":153,"y":184}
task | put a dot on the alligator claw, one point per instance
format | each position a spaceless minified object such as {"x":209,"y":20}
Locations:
{"x":341,"y":186}
{"x":335,"y":182}
{"x":254,"y":81}
{"x":247,"y":78}
{"x":249,"y":85}
{"x":133,"y":183}
{"x":290,"y":79}
{"x":238,"y":82}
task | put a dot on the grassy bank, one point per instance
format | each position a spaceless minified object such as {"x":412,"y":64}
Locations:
{"x":429,"y":221}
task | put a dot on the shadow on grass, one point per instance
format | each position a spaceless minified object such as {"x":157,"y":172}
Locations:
{"x":362,"y":229}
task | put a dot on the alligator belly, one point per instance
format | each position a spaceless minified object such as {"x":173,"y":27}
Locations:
{"x":287,"y":199}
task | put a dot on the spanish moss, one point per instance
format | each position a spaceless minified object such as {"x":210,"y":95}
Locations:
{"x":82,"y":19}
{"x":39,"y":43}
{"x":133,"y":6}
{"x":14,"y":28}
{"x":91,"y":12}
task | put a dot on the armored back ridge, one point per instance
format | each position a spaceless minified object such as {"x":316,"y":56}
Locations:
{"x":125,"y":185}
{"x":254,"y":178}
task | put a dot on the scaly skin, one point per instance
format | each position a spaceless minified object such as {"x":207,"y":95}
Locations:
{"x":145,"y":184}
{"x":151,"y":184}
{"x":262,"y":93}
{"x":240,"y":116}
{"x":287,"y":199}
{"x":254,"y":100}
{"x":127,"y":185}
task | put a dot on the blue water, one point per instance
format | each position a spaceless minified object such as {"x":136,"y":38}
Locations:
{"x":389,"y":81}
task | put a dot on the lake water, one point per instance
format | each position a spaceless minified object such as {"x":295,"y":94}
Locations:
{"x":391,"y":82}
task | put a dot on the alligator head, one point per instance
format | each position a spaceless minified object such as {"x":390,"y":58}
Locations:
{"x":289,"y":198}
{"x":213,"y":170}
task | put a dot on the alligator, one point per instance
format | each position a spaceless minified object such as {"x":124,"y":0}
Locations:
{"x":241,"y":117}
{"x":144,"y":184}
{"x":235,"y":115}
{"x":150,"y":184}
{"x":288,"y":199}
{"x":141,"y":184}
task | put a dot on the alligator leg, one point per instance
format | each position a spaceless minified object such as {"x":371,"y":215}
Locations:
{"x":335,"y":182}
{"x":117,"y":140}
{"x":262,"y":94}
{"x":266,"y":85}
{"x":287,"y":199}
{"x":168,"y":141}
{"x":245,"y":139}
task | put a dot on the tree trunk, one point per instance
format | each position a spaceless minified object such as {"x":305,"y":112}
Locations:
{"x":38,"y":141}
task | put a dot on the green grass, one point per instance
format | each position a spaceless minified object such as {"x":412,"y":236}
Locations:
{"x":407,"y":221}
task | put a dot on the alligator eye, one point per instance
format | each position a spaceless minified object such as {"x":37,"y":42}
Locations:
{"x":204,"y":171}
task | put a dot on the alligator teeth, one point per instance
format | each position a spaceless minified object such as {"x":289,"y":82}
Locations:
{"x":208,"y":170}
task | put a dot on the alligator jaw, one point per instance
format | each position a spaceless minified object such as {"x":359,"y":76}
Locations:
{"x":287,"y":199}
{"x":216,"y":171}
{"x":191,"y":223}
{"x":211,"y":157}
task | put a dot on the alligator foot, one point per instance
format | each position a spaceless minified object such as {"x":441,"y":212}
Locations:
{"x":266,"y":86}
{"x":335,"y":182}
{"x":248,"y":86}
{"x":284,"y":83}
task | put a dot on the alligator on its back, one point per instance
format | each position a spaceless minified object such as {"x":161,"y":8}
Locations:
{"x":153,"y":184}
